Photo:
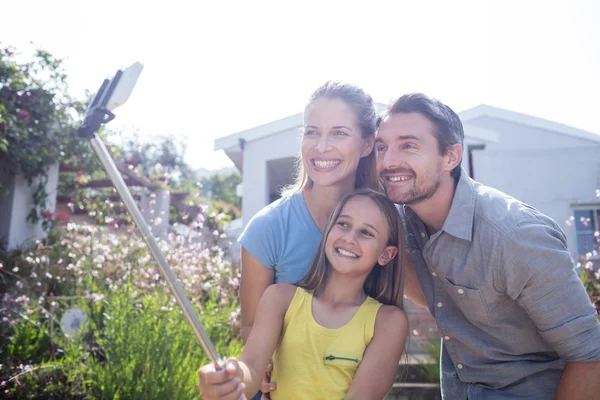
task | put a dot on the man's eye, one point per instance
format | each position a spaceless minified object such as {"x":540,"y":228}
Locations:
{"x":409,"y":146}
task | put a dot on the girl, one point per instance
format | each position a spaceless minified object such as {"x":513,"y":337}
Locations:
{"x":330,"y":333}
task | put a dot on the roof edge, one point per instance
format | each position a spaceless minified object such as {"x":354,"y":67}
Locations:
{"x":525,"y":119}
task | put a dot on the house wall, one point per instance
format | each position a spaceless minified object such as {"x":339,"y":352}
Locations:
{"x":257,"y":153}
{"x":15,"y":205}
{"x":544,"y":169}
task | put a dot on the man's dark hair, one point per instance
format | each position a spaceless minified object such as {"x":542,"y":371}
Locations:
{"x":449,"y":129}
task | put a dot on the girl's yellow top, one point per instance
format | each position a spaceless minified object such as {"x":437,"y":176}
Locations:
{"x":314,"y":362}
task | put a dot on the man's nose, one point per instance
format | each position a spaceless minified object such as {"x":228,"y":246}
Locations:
{"x":390,"y":160}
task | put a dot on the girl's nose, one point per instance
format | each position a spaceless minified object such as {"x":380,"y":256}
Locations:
{"x":350,"y":238}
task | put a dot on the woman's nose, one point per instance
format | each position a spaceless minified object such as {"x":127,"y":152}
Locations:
{"x":323,"y":144}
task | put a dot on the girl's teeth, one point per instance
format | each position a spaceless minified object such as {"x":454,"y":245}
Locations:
{"x":346,"y":253}
{"x":326,"y":164}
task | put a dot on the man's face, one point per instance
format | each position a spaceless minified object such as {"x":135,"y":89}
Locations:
{"x":408,"y":158}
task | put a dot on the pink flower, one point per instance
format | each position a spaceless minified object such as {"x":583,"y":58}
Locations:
{"x":25,"y":114}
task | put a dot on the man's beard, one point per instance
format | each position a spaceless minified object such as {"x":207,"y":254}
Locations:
{"x":415,"y":194}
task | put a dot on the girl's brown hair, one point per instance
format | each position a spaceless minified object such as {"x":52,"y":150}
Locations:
{"x":385,"y":283}
{"x":366,"y":115}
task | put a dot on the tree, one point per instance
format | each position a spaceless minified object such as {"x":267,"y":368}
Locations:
{"x":37,"y":117}
{"x":222,"y":187}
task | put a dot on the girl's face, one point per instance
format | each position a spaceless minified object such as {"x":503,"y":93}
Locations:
{"x":359,"y":238}
{"x":332,"y":144}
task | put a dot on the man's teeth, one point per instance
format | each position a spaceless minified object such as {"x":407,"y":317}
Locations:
{"x":346,"y":253}
{"x":399,"y":178}
{"x":326,"y":164}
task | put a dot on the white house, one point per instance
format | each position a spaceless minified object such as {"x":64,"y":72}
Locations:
{"x":553,"y":167}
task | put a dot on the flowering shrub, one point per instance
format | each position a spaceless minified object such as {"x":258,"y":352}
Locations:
{"x":136,"y":342}
{"x":589,"y":274}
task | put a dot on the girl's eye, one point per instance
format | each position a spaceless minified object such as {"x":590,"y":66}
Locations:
{"x":343,"y":224}
{"x":380,"y":148}
{"x":367,"y":233}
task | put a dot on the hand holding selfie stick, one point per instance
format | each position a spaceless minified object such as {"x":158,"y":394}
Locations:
{"x":111,"y":95}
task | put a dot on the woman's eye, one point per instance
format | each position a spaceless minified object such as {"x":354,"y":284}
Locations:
{"x":380,"y":148}
{"x":311,"y":132}
{"x":340,"y":133}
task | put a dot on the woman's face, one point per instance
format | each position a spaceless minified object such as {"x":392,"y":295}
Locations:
{"x":332,"y":144}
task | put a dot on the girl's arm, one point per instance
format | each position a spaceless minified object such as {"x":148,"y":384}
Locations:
{"x":255,"y":280}
{"x":377,"y":370}
{"x":259,"y":348}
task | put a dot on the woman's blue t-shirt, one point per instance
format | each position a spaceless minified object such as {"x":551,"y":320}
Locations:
{"x":284,"y":237}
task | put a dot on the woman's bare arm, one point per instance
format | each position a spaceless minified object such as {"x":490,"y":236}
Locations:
{"x":255,"y":280}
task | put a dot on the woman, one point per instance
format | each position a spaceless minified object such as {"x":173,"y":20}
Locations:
{"x":336,"y":157}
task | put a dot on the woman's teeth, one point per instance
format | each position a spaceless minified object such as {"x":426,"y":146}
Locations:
{"x":325,"y":164}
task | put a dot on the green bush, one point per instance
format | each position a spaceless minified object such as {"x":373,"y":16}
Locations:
{"x":137,"y":343}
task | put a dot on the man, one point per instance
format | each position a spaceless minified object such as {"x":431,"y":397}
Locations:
{"x":515,"y":320}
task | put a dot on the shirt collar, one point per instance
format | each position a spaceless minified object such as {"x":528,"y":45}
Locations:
{"x":459,"y":222}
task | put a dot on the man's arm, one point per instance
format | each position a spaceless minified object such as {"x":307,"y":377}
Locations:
{"x":579,"y":381}
{"x":539,"y":274}
{"x":377,"y":370}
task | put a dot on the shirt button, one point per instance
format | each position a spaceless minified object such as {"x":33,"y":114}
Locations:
{"x":434,"y":274}
{"x":446,"y":337}
{"x":460,"y":366}
{"x":439,"y":304}
{"x":460,"y":291}
{"x":422,"y":234}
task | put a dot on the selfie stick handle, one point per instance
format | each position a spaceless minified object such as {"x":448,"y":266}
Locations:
{"x":97,"y":114}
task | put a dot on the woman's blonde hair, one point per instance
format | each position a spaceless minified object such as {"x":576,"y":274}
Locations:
{"x":385,"y":283}
{"x":364,"y":109}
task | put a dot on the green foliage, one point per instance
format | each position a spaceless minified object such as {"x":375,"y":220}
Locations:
{"x":36,"y":117}
{"x":589,"y":273}
{"x":136,"y":344}
{"x":431,"y":370}
{"x":222,"y":187}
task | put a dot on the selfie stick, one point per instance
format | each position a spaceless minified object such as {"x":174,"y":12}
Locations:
{"x":112,"y":94}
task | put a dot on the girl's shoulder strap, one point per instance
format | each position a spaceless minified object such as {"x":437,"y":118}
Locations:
{"x":369,"y":311}
{"x":300,"y":299}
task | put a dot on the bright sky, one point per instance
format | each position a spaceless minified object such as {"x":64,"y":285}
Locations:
{"x":213,"y":68}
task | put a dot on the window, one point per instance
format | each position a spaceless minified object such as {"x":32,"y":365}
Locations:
{"x":587,"y":225}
